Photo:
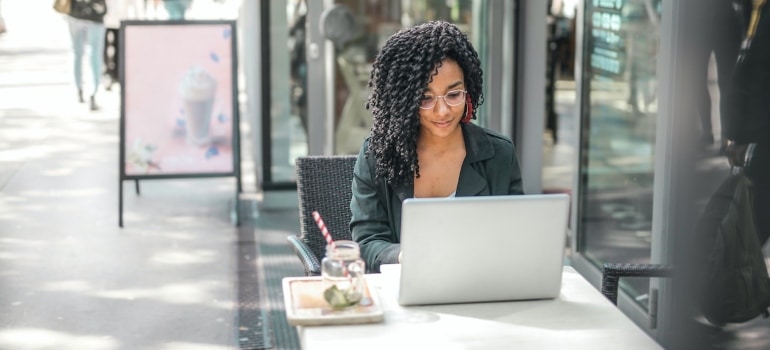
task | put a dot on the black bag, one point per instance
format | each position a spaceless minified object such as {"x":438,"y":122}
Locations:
{"x":736,"y":286}
{"x":90,"y":10}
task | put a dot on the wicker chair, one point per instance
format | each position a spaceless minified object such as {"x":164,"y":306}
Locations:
{"x":611,"y":274}
{"x":323,"y":185}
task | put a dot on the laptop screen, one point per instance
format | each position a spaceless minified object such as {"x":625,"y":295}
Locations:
{"x":477,"y":249}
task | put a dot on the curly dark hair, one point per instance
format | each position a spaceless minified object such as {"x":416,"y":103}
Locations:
{"x":400,"y":75}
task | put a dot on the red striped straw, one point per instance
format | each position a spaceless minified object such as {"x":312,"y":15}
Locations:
{"x":324,"y":231}
{"x":328,"y":237}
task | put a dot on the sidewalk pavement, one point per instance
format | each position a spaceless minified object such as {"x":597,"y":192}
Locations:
{"x":70,"y":277}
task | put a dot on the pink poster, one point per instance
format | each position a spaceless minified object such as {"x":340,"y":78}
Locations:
{"x":178,"y":109}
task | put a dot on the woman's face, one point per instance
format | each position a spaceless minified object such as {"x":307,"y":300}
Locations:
{"x":442,"y":119}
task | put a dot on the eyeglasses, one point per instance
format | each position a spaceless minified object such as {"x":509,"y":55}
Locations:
{"x":452,"y":98}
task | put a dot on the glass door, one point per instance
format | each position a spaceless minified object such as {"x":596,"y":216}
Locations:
{"x":318,"y":60}
{"x":617,"y":137}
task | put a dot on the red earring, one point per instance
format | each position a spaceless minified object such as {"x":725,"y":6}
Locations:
{"x":468,"y":109}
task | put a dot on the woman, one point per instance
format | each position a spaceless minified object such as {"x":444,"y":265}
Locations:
{"x":425,"y":86}
{"x":86,"y":25}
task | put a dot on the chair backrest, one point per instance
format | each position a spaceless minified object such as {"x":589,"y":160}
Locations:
{"x":323,"y":185}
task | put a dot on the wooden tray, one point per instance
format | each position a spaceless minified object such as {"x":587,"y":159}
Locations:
{"x":305,"y":305}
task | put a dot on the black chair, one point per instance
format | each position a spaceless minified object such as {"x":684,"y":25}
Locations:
{"x":323,"y":185}
{"x":611,"y":274}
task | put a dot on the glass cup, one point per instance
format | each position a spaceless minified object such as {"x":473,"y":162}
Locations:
{"x":343,"y":275}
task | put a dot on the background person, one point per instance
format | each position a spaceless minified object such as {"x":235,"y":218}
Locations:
{"x":721,"y":28}
{"x":426,"y":85}
{"x":2,"y":21}
{"x":86,"y":25}
{"x":749,"y":99}
{"x":176,"y":8}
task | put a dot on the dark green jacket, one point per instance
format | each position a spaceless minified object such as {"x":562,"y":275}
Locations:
{"x":490,"y":168}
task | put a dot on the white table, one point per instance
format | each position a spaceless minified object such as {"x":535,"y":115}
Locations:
{"x":580,"y":318}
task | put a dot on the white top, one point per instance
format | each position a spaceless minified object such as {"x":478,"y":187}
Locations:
{"x":580,"y":318}
{"x":451,"y":195}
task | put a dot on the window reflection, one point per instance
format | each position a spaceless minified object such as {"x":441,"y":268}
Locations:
{"x":288,"y":89}
{"x":363,"y":30}
{"x":375,"y":22}
{"x":617,"y":162}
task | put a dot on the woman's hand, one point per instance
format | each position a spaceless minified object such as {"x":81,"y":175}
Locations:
{"x":736,"y":153}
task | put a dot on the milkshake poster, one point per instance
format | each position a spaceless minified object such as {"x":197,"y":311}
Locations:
{"x":178,"y":102}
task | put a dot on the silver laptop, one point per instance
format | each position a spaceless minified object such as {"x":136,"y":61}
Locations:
{"x":482,"y":249}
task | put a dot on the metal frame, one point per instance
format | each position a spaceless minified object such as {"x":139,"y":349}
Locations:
{"x":250,"y":23}
{"x":673,"y":214}
{"x":267,"y":157}
{"x":509,"y":69}
{"x":529,"y":90}
{"x":320,"y":62}
{"x":580,"y":98}
{"x":495,"y":53}
{"x":236,"y":144}
{"x":266,"y":124}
